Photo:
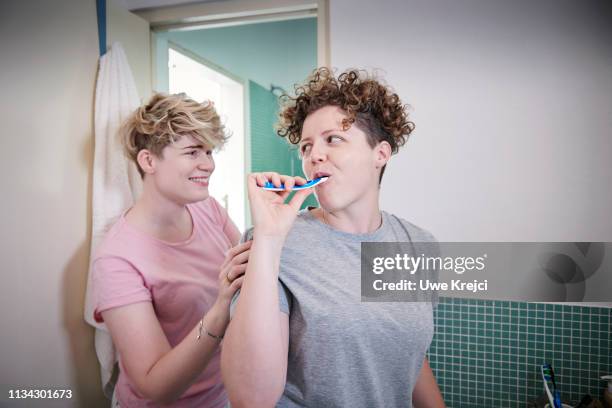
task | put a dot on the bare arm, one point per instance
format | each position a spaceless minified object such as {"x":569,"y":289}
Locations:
{"x":254,"y":356}
{"x":158,"y":371}
{"x":426,"y":393}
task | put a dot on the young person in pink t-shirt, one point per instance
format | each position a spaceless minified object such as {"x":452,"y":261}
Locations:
{"x":166,"y":271}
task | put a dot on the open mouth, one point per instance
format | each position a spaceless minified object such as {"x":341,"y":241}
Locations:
{"x":319,"y":174}
{"x":199,"y":180}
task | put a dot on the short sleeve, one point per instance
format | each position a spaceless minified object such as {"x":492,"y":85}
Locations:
{"x":220,"y":212}
{"x":427,"y":243}
{"x":116,"y":283}
{"x":284,"y":298}
{"x":247,"y":236}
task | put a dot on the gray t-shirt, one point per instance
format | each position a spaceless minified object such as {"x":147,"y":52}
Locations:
{"x":344,"y":352}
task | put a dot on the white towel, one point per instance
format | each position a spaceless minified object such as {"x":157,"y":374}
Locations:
{"x":116,"y":182}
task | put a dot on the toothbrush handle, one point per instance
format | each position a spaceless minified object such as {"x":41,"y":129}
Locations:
{"x":558,"y":400}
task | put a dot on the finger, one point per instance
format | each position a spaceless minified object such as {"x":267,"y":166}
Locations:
{"x":270,"y":174}
{"x":298,"y":199}
{"x":238,"y":249}
{"x":235,"y":250}
{"x":241,"y":258}
{"x":223,"y":268}
{"x":289,"y":182}
{"x":224,"y":274}
{"x":228,"y":274}
{"x":261,"y":179}
{"x":252,"y":186}
{"x":252,"y":177}
{"x":238,"y":271}
{"x":300,"y":180}
{"x":276,"y":179}
{"x":235,"y":271}
{"x":237,"y":284}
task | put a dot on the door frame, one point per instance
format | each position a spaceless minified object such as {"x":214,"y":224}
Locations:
{"x":239,"y":12}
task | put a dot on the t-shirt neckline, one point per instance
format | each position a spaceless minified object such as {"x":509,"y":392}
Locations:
{"x":161,"y":241}
{"x":373,"y":236}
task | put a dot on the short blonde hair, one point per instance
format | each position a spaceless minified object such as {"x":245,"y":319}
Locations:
{"x":167,"y":118}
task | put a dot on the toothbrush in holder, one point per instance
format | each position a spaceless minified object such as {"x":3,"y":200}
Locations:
{"x":550,"y":386}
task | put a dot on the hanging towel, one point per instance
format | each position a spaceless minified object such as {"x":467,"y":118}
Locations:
{"x":116,"y":182}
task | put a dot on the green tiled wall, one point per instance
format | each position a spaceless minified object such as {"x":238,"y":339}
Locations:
{"x":269,"y":152}
{"x":488,"y":353}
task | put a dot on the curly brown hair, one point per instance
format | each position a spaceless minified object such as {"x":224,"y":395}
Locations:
{"x":367,"y":102}
{"x":167,"y":118}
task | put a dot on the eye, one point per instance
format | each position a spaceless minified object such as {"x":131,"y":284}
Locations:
{"x":334,"y":139}
{"x":194,"y":153}
{"x":209,"y":152}
{"x":305,"y":148}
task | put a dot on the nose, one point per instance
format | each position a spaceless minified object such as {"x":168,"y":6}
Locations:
{"x":318,"y":152}
{"x":207,"y":163}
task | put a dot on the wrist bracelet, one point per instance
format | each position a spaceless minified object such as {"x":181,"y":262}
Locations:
{"x":201,"y":329}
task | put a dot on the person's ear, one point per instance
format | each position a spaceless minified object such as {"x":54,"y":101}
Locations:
{"x":382,"y":154}
{"x":146,"y":161}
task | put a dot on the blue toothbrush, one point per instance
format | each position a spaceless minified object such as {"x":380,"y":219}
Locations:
{"x":310,"y":183}
{"x":548,"y":376}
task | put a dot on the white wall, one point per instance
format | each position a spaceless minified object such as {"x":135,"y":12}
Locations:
{"x":134,"y":35}
{"x":47,"y":75}
{"x":512,"y":102}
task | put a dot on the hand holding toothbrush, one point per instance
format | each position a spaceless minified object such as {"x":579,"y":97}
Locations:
{"x":270,"y":215}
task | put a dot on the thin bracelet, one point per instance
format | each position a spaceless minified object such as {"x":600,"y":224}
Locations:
{"x":202,"y":328}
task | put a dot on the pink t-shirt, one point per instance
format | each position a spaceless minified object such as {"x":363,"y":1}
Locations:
{"x":180,"y":279}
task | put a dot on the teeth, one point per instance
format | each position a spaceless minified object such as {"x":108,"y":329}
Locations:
{"x":198,"y":178}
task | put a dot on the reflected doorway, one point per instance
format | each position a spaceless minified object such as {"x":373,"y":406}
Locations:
{"x":203,"y":81}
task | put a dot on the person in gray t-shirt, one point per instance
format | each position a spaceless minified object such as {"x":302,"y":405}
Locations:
{"x":300,"y":335}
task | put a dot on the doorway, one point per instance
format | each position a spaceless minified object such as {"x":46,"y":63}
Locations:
{"x":202,"y":81}
{"x":268,"y":58}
